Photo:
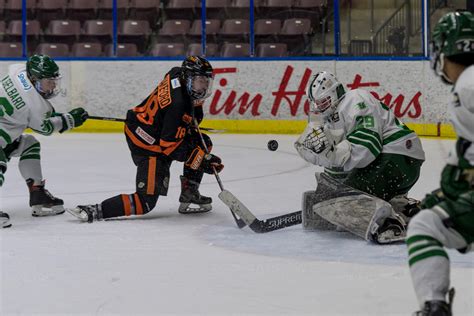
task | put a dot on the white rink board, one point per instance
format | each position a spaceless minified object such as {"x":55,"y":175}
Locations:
{"x":110,"y":88}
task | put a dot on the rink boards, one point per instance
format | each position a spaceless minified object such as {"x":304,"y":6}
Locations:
{"x":257,"y":96}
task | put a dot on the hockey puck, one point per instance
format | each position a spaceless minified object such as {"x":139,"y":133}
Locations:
{"x":272,"y":145}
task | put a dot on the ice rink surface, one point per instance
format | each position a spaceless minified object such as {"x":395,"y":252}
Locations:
{"x":165,"y":263}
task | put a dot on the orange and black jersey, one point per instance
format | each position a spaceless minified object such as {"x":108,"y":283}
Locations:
{"x":159,"y":124}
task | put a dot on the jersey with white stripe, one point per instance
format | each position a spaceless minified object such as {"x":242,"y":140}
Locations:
{"x":22,"y":107}
{"x":461,"y":112}
{"x":370,"y":128}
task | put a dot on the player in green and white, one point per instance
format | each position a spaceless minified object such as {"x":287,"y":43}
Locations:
{"x":24,"y":95}
{"x":355,"y":133}
{"x":448,"y":217}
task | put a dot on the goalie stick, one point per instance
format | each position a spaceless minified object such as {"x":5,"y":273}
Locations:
{"x":116,"y":119}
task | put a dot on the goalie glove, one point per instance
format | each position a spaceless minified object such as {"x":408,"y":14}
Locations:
{"x":317,"y":141}
{"x":199,"y":160}
{"x":73,"y":118}
{"x":455,"y":181}
{"x":318,"y":146}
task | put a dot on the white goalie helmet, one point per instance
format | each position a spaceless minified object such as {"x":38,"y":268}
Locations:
{"x":325,"y":92}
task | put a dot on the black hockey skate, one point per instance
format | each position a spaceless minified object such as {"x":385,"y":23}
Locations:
{"x":405,"y":206}
{"x":392,"y":230}
{"x":87,"y":213}
{"x":42,"y":202}
{"x":4,"y":220}
{"x":438,"y":308}
{"x":190,"y":195}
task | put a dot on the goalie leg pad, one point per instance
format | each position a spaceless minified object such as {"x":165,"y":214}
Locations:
{"x":351,"y":209}
{"x":311,"y":220}
{"x":360,"y":215}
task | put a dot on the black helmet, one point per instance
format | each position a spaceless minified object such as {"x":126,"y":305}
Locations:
{"x":198,"y":76}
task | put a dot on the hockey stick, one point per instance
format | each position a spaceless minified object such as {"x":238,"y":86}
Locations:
{"x":115,"y":119}
{"x":247,"y":217}
{"x":259,"y":226}
{"x":240,"y":223}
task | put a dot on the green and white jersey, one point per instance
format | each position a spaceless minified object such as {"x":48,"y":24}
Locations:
{"x":21,"y":107}
{"x":369,"y":128}
{"x":461,"y":111}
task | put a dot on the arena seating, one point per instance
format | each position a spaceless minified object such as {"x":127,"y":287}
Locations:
{"x":63,"y":31}
{"x":181,"y":9}
{"x":145,"y":23}
{"x":235,"y":50}
{"x":10,"y":49}
{"x":48,"y":10}
{"x":267,"y":30}
{"x":196,"y":49}
{"x":134,"y":31}
{"x":12,"y":9}
{"x":105,"y":9}
{"x":123,"y":50}
{"x":174,"y":31}
{"x":272,"y":50}
{"x":97,"y":31}
{"x":14,"y":32}
{"x":212,"y":28}
{"x":168,"y":50}
{"x":86,"y":50}
{"x":53,"y":49}
{"x":144,"y":10}
{"x":81,"y":10}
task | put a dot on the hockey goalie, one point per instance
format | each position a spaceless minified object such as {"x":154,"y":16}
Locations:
{"x":370,"y":158}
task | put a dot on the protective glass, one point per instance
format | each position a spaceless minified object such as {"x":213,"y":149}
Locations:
{"x":434,"y":55}
{"x":49,"y":87}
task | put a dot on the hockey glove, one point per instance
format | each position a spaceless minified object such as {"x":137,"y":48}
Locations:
{"x":431,"y":199}
{"x":73,"y":118}
{"x":199,"y":160}
{"x":317,"y":141}
{"x":453,"y":182}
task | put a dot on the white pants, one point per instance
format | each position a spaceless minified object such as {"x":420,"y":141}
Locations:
{"x":429,"y":263}
{"x":30,"y":164}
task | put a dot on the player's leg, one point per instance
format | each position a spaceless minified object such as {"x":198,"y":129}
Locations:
{"x":390,"y":177}
{"x":191,"y":200}
{"x":4,"y":218}
{"x":151,"y":181}
{"x":362,"y":214}
{"x":42,"y":202}
{"x":387,"y":176}
{"x":449,"y":224}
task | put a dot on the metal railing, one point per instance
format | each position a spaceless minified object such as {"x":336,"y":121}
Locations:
{"x":391,"y":37}
{"x":437,"y":4}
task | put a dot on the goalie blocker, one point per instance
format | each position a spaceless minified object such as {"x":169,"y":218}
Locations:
{"x":336,"y":205}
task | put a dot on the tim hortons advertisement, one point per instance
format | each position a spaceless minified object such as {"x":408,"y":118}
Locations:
{"x":256,"y":90}
{"x":283,"y":99}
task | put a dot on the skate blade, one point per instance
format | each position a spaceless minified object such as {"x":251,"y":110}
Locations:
{"x":40,"y":211}
{"x":389,"y":237}
{"x":6,"y":224}
{"x":185,"y":208}
{"x":77,"y":213}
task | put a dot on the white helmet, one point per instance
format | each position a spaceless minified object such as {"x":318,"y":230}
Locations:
{"x":325,"y":91}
